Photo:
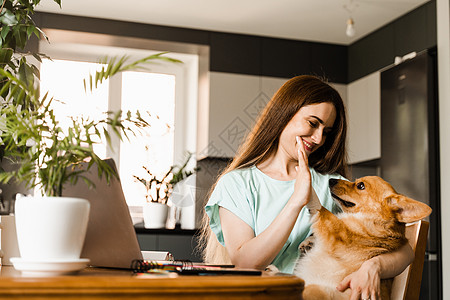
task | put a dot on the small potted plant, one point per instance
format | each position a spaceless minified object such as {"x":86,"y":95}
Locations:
{"x":159,"y":191}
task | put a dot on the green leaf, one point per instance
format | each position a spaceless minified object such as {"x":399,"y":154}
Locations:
{"x":5,"y":55}
{"x":37,"y":57}
{"x":4,"y":91}
{"x":107,"y":136}
{"x":30,"y":30}
{"x":5,"y":31}
{"x":20,"y":96}
{"x":8,"y":18}
{"x":116,"y":67}
{"x":26,"y":73}
{"x":42,"y":33}
{"x":90,"y":83}
{"x":37,"y":33}
{"x":97,"y":78}
{"x":36,"y":71}
{"x":20,"y":35}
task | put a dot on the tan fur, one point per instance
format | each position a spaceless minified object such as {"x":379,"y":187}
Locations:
{"x":372,"y":223}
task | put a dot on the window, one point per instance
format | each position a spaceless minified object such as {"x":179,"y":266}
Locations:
{"x":64,"y":81}
{"x":154,"y":93}
{"x":167,"y":91}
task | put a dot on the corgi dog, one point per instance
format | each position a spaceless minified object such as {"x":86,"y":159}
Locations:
{"x":372,"y":222}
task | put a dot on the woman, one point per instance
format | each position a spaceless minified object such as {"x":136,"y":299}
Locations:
{"x":256,"y":207}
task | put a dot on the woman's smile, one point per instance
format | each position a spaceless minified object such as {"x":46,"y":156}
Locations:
{"x":308,"y":146}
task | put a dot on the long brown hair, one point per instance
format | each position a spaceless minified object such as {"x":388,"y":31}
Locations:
{"x":262,"y":142}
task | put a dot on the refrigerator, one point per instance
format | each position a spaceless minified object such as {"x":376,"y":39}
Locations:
{"x":410,"y":148}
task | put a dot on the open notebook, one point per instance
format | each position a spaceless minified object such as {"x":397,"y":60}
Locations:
{"x":110,"y":239}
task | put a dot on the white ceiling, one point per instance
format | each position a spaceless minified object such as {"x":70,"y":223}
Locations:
{"x":309,"y":20}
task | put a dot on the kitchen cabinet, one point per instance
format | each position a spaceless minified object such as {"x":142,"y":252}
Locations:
{"x":180,"y":242}
{"x":235,"y":103}
{"x":363,"y":111}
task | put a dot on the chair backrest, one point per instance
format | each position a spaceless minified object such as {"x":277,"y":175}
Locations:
{"x":407,"y":284}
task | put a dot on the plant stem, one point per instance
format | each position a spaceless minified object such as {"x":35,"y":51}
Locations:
{"x":3,"y":5}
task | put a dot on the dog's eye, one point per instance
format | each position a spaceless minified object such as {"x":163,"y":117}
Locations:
{"x":360,"y":186}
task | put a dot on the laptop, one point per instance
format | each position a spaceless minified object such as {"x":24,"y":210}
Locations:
{"x":111,"y":239}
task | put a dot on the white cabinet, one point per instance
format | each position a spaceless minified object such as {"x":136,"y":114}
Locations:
{"x":363,"y":108}
{"x":235,"y":100}
{"x":234,"y":105}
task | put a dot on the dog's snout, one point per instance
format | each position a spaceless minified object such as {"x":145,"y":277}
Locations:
{"x":332,"y":182}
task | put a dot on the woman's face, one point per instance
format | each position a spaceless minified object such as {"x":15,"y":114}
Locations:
{"x":312,"y":123}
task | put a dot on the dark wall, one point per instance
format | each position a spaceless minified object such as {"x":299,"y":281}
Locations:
{"x":415,"y":31}
{"x":284,"y":58}
{"x":256,"y":55}
{"x":232,"y":53}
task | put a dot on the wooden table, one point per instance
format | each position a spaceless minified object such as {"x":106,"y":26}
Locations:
{"x":93,"y":283}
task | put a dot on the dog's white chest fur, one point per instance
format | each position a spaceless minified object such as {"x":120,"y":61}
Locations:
{"x":318,"y":267}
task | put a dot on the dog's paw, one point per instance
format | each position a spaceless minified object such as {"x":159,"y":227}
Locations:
{"x":272,"y":269}
{"x":306,"y":245}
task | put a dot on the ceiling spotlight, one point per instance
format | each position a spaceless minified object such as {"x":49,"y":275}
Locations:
{"x":350,"y":31}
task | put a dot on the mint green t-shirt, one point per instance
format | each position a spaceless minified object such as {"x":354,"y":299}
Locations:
{"x":257,"y":199}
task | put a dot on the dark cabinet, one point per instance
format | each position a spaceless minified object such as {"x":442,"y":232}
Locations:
{"x":181,"y":243}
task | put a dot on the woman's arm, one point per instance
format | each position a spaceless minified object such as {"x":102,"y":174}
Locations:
{"x":365,"y":282}
{"x":392,"y":264}
{"x":250,"y":251}
{"x":246,"y":250}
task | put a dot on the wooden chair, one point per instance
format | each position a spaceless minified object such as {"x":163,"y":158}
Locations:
{"x":407,"y":284}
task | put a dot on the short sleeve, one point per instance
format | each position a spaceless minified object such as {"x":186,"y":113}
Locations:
{"x":231,"y":193}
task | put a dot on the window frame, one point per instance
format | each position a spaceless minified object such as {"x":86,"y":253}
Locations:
{"x":70,"y":46}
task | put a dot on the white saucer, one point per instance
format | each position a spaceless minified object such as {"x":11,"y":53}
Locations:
{"x":49,"y":268}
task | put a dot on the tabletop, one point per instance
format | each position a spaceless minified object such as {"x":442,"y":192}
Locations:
{"x":97,"y":283}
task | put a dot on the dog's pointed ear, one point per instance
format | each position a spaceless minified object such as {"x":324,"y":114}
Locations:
{"x":408,"y":210}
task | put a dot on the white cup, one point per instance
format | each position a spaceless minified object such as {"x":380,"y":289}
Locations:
{"x":8,"y":240}
{"x":187,"y":218}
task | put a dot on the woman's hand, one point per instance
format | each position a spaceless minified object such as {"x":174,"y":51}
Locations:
{"x":364,"y":283}
{"x":302,"y":188}
{"x":249,"y":251}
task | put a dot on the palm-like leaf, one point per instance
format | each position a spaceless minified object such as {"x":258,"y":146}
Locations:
{"x":48,"y":156}
{"x":115,"y":65}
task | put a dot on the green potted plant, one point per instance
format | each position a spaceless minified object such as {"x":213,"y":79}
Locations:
{"x":159,"y":190}
{"x":48,"y":158}
{"x":50,"y":228}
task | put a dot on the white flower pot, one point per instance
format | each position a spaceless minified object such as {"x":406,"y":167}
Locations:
{"x":155,"y":215}
{"x":51,"y":228}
